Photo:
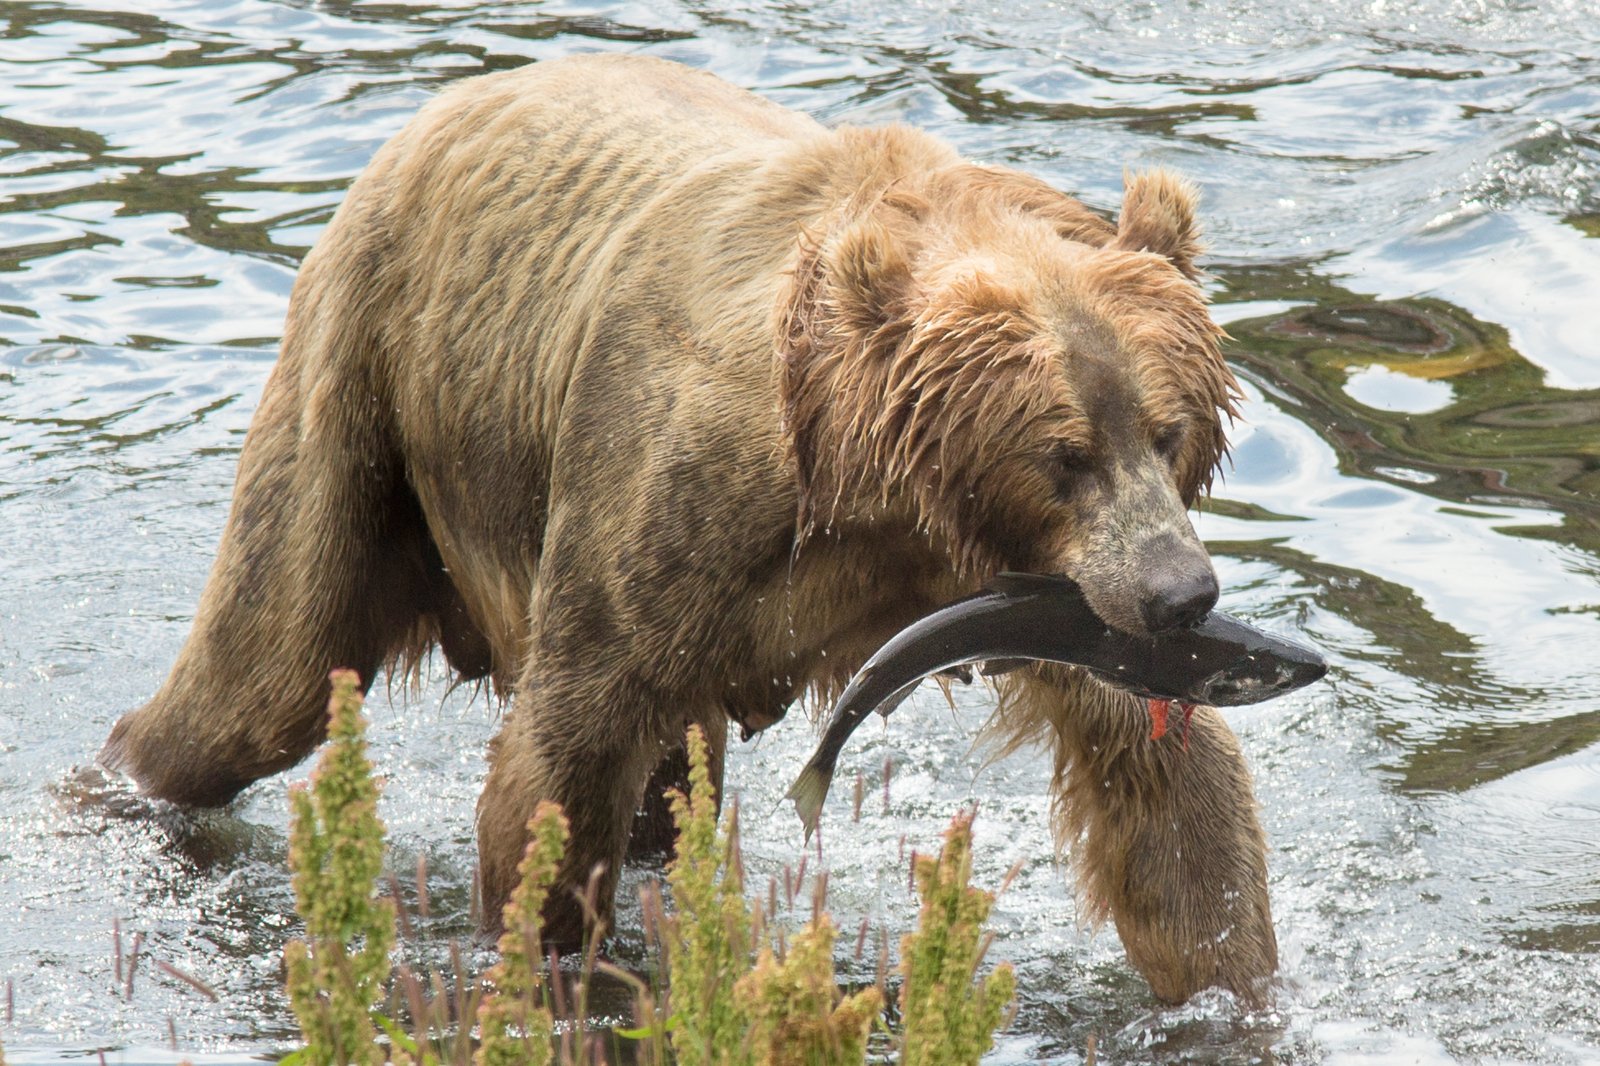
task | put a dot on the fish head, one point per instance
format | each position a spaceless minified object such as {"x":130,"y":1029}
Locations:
{"x":1264,"y":667}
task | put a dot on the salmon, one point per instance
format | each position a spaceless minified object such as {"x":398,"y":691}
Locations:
{"x":1018,"y":618}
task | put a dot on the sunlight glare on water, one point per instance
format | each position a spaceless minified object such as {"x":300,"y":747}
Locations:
{"x":1403,"y":207}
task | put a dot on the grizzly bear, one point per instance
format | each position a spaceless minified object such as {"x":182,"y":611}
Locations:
{"x":655,"y":403}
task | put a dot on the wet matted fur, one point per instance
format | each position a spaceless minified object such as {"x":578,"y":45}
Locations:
{"x":655,"y":403}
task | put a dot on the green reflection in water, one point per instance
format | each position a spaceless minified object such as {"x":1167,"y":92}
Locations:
{"x":1405,"y":635}
{"x":1471,"y":753}
{"x":1409,"y":640}
{"x":1588,"y":225}
{"x":1501,"y":436}
{"x":149,"y":185}
{"x":1581,"y":935}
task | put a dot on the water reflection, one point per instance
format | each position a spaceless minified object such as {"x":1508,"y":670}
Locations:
{"x":1470,"y":754}
{"x":1502,"y":436}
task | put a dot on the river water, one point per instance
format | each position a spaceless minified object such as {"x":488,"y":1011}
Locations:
{"x":1403,"y":205}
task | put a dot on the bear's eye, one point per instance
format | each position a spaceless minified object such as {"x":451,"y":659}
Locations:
{"x":1068,"y":466}
{"x":1169,"y":443}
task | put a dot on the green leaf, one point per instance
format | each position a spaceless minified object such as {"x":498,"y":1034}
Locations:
{"x":645,"y":1032}
{"x":397,"y":1036}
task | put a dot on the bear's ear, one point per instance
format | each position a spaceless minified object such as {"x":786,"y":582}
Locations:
{"x":869,"y":275}
{"x":1158,"y":216}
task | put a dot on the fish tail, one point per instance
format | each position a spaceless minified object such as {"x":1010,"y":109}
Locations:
{"x":808,"y":792}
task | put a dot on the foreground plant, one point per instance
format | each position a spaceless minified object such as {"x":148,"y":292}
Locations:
{"x":709,"y":941}
{"x":738,"y":991}
{"x":336,"y":845}
{"x":947,"y":1015}
{"x":514,"y":1022}
{"x":731,"y":1006}
{"x":797,"y":1015}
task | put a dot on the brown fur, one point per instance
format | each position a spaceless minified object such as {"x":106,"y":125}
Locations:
{"x":654,"y":403}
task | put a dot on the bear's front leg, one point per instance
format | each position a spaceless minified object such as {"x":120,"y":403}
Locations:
{"x":550,"y":749}
{"x":589,"y":742}
{"x":1164,"y":832}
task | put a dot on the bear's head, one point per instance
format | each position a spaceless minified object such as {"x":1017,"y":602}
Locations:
{"x":1037,"y":389}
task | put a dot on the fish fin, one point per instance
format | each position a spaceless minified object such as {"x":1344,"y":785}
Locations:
{"x":897,"y":697}
{"x":808,"y":792}
{"x":996,"y":667}
{"x":1158,"y":719}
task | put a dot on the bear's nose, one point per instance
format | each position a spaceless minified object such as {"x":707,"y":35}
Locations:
{"x":1178,"y":598}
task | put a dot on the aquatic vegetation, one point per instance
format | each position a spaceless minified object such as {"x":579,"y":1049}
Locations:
{"x":513,"y":1020}
{"x":336,"y":845}
{"x":738,"y":990}
{"x":947,"y":1013}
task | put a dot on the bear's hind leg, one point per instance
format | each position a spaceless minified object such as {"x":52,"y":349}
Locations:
{"x":321,"y":566}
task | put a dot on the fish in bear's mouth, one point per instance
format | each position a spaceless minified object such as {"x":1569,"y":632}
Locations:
{"x":1017,"y":618}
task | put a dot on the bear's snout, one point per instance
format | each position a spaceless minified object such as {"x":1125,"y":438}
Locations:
{"x":1179,"y":588}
